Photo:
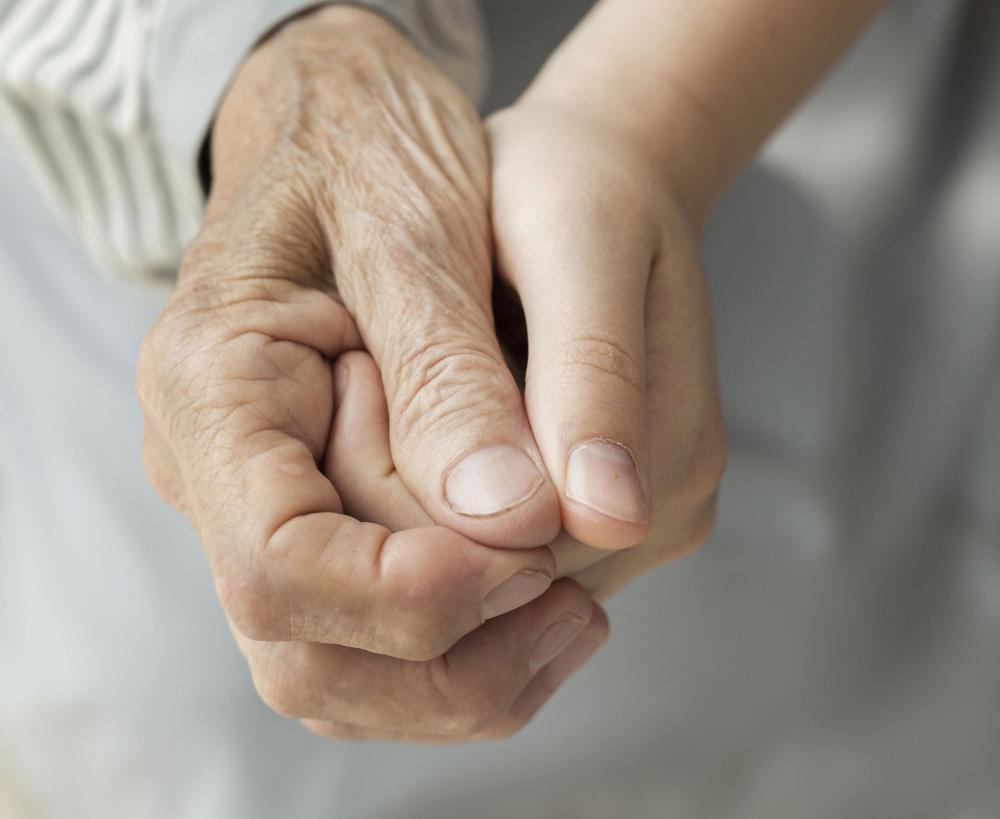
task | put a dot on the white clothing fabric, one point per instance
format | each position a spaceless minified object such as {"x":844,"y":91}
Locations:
{"x":109,"y":101}
{"x":833,"y":653}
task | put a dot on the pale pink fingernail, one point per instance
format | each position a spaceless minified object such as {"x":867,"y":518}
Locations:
{"x":602,"y":475}
{"x":555,"y":638}
{"x":491,"y":480}
{"x":566,"y":663}
{"x":514,"y":592}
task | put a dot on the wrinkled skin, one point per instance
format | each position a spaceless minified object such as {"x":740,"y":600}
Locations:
{"x":350,"y":210}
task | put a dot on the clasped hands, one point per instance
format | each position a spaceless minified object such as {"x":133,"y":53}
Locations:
{"x":406,"y":541}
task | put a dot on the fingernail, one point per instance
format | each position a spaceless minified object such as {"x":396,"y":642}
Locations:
{"x":340,"y":376}
{"x":555,"y":638}
{"x":602,"y":475}
{"x":566,"y":664}
{"x":514,"y":592}
{"x":491,"y":480}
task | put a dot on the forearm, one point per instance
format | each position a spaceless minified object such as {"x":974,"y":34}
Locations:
{"x":700,"y":84}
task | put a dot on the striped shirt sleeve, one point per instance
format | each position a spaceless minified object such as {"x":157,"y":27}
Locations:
{"x":108,"y":101}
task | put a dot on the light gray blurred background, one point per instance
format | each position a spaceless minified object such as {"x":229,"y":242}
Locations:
{"x":833,"y":653}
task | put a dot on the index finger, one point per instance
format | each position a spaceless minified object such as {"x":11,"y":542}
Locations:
{"x":288,"y":564}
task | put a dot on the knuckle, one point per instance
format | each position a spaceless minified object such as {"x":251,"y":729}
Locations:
{"x":282,"y":691}
{"x":484,"y":713}
{"x":506,"y":727}
{"x":151,"y":366}
{"x":439,"y":385}
{"x":705,"y":523}
{"x":252,"y":607}
{"x":709,"y":466}
{"x":697,"y":477}
{"x":144,"y":386}
{"x":584,"y":358}
{"x":166,"y":482}
{"x":472,"y":721}
{"x":421,"y":640}
{"x":170,"y":359}
{"x":426,"y":585}
{"x":698,"y":531}
{"x":465,"y":705}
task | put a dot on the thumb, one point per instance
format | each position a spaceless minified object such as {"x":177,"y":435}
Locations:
{"x":359,"y":463}
{"x":415,"y":270}
{"x":583,"y":289}
{"x":458,"y":429}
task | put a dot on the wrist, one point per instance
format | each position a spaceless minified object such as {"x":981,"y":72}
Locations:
{"x":682,"y":141}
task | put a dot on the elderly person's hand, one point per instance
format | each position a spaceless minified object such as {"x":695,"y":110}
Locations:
{"x":600,"y":242}
{"x":346,"y":165}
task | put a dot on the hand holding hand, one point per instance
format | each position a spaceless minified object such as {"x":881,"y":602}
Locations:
{"x":345,"y":165}
{"x":592,"y":234}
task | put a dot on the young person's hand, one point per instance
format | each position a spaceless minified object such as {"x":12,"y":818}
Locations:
{"x":601,"y":246}
{"x":603,"y":173}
